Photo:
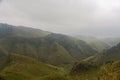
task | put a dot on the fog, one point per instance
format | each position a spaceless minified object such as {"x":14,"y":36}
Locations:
{"x":88,"y":17}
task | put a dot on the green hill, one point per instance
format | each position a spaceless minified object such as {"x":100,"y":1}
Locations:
{"x":33,"y":54}
{"x":18,"y":67}
{"x":112,"y":54}
{"x":90,"y":71}
{"x":98,"y":45}
{"x":51,"y":48}
{"x":75,"y":47}
{"x":94,"y":42}
{"x":10,"y":30}
{"x":102,"y":66}
{"x":109,"y":55}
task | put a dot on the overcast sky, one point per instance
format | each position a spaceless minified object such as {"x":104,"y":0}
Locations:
{"x":93,"y":17}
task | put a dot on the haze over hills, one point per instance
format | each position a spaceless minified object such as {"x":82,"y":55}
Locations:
{"x":110,"y":55}
{"x":48,"y":47}
{"x":28,"y":53}
{"x":112,"y":41}
{"x":59,"y":40}
{"x":102,"y":66}
{"x":20,"y":31}
{"x":94,"y":42}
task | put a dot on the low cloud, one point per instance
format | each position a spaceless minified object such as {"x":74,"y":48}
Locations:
{"x":65,"y":16}
{"x":0,"y":1}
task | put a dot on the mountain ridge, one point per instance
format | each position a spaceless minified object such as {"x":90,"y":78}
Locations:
{"x":47,"y":47}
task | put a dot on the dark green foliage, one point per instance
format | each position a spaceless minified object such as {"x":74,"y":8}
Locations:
{"x":82,"y":67}
{"x":1,"y":77}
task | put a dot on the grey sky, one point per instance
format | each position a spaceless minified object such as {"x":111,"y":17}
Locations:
{"x":98,"y":17}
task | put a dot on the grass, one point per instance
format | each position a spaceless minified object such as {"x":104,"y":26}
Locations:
{"x":24,"y":68}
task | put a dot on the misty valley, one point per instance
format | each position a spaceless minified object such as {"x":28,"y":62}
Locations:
{"x":33,"y":54}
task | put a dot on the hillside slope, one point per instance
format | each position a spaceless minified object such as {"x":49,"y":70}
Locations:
{"x":51,"y":48}
{"x":94,"y":42}
{"x":20,"y":31}
{"x":112,"y":41}
{"x":110,"y":55}
{"x":18,"y":67}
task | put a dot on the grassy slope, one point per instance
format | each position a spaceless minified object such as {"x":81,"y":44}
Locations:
{"x":50,"y":48}
{"x":55,"y":49}
{"x":108,"y":66}
{"x":76,"y":48}
{"x":112,"y":54}
{"x":24,"y":68}
{"x":52,"y":53}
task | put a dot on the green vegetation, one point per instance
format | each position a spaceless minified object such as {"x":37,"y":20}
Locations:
{"x":112,"y":54}
{"x":19,"y":67}
{"x":90,"y":71}
{"x":103,"y":66}
{"x":55,"y":49}
{"x":85,"y":71}
{"x":110,"y":71}
{"x":33,"y":54}
{"x":20,"y":31}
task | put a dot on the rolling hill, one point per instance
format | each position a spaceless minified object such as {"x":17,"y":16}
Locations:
{"x":20,"y":31}
{"x":91,"y":71}
{"x":33,"y":54}
{"x":51,"y":48}
{"x":18,"y":67}
{"x":112,"y":41}
{"x":102,"y":66}
{"x":110,"y":55}
{"x":95,"y":43}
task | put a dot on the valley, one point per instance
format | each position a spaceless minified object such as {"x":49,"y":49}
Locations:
{"x":34,"y":54}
